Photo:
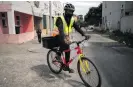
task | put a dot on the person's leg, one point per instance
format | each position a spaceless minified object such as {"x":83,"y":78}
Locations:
{"x":39,"y":38}
{"x":65,"y":47}
{"x":67,"y":57}
{"x":67,"y":54}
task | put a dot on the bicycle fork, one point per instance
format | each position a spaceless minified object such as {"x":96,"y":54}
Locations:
{"x":84,"y":64}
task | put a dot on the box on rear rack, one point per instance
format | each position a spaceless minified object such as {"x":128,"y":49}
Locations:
{"x":50,"y":42}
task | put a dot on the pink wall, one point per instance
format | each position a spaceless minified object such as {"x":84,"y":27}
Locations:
{"x":1,"y":29}
{"x":4,"y":30}
{"x":16,"y":38}
{"x":26,"y":21}
{"x":5,"y":7}
{"x":27,"y":32}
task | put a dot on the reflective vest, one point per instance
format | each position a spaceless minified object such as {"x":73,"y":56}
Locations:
{"x":67,"y":29}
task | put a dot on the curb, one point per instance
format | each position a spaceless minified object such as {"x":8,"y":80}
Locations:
{"x":106,"y":44}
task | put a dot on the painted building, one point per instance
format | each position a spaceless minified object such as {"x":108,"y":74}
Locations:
{"x":80,"y":17}
{"x":117,"y":15}
{"x":19,"y":20}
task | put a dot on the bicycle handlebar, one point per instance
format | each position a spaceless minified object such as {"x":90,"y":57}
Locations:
{"x":78,"y":42}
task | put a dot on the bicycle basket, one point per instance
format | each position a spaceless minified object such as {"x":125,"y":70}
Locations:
{"x":50,"y":42}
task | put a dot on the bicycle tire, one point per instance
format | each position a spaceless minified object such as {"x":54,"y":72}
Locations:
{"x":48,"y":62}
{"x":86,"y":83}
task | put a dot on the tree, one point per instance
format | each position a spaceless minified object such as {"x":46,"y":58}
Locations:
{"x":94,"y":15}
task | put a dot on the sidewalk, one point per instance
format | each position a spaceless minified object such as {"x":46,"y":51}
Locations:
{"x":25,"y":65}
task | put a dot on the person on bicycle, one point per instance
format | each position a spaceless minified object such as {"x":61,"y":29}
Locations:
{"x":64,"y":24}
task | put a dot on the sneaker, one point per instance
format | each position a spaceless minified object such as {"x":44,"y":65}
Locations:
{"x":65,"y":68}
{"x":71,"y":70}
{"x":68,"y":69}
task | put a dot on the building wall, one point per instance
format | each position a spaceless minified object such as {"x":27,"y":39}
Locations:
{"x":56,"y":8}
{"x":42,"y":9}
{"x":26,"y":9}
{"x":5,"y":7}
{"x":127,"y":20}
{"x":127,"y":23}
{"x":16,"y":38}
{"x":22,"y":6}
{"x":5,"y":2}
{"x":26,"y":22}
{"x":128,"y":5}
{"x":111,"y":13}
{"x":118,"y":19}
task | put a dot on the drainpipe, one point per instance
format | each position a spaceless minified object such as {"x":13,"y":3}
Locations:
{"x":121,"y":16}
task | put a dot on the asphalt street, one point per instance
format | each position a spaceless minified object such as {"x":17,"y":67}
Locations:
{"x":25,"y":65}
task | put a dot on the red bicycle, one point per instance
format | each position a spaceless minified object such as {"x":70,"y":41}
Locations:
{"x":86,"y":68}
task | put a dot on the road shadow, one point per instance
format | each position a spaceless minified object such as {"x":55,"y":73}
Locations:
{"x":44,"y":72}
{"x":75,"y":83}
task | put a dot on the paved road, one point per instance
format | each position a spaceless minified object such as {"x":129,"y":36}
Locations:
{"x":25,"y":65}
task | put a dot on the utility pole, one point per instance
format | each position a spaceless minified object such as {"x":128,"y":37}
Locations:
{"x":50,"y":12}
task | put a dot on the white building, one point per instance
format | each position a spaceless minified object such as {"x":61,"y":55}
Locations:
{"x":117,"y":15}
{"x":19,"y":19}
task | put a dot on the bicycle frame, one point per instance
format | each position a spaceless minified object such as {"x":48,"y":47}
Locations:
{"x":80,"y":55}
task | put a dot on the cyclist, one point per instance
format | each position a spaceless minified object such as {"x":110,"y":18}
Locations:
{"x":64,"y":24}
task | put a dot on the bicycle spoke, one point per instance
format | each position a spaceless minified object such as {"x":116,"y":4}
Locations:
{"x":91,"y":76}
{"x":54,"y":64}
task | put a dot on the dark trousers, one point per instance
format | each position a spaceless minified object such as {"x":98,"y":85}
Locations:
{"x":39,"y":37}
{"x":67,"y":54}
{"x":63,"y":46}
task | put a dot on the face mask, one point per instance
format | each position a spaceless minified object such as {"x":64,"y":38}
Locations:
{"x":69,"y":15}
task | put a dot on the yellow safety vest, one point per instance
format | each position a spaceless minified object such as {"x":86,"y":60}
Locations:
{"x":67,"y":29}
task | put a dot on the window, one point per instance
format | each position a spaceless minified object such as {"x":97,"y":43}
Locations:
{"x":55,"y":4}
{"x":45,"y":6}
{"x":44,"y":22}
{"x":18,"y":20}
{"x":126,"y":13}
{"x":103,"y":20}
{"x":4,"y":19}
{"x":36,"y":3}
{"x":110,"y":13}
{"x":122,"y":6}
{"x":105,"y":5}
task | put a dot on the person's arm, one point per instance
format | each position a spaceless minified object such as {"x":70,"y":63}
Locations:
{"x":75,"y":25}
{"x":59,"y":24}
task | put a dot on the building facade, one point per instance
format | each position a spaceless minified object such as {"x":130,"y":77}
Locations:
{"x":19,"y":20}
{"x":117,"y":15}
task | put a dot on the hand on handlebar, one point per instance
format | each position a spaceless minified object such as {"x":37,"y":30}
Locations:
{"x":87,"y":37}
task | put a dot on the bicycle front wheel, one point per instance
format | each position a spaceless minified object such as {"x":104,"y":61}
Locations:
{"x":88,"y":73}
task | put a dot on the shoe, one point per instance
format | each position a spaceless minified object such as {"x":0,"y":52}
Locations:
{"x":65,"y":68}
{"x":71,"y":70}
{"x":68,"y":69}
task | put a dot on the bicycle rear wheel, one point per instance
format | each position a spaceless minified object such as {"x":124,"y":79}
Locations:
{"x":88,"y":73}
{"x":53,"y":61}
